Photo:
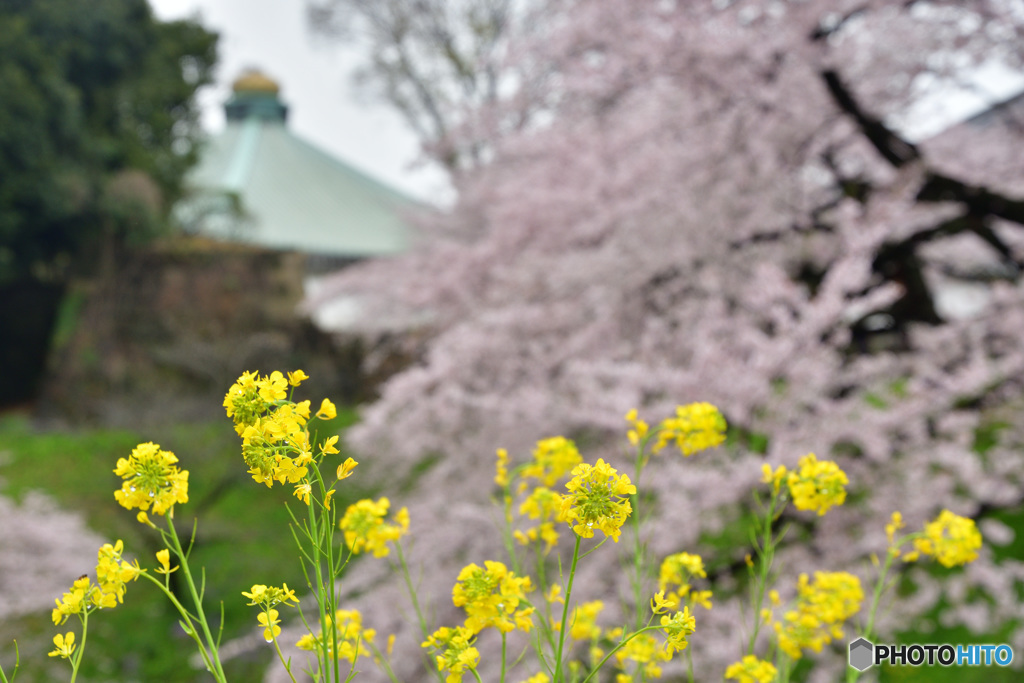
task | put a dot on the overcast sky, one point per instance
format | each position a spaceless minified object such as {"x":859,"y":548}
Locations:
{"x":314,"y":76}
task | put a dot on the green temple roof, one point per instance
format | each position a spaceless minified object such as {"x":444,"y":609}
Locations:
{"x":259,"y":183}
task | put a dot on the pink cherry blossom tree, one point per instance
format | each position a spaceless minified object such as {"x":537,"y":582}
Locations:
{"x":710,"y":202}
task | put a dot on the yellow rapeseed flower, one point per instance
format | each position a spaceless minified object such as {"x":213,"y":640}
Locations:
{"x":296,"y":378}
{"x":113,"y":572}
{"x":678,"y":568}
{"x":639,"y":428}
{"x":329,"y":446}
{"x":345,"y":468}
{"x":243,"y":402}
{"x":538,"y":678}
{"x":327,"y":410}
{"x":75,"y":601}
{"x":953,"y":540}
{"x":775,"y":478}
{"x":677,"y":629}
{"x":270,"y":623}
{"x":544,"y":505}
{"x":644,"y":651}
{"x":817,"y":485}
{"x":491,"y":596}
{"x":597,"y":500}
{"x":822,"y":607}
{"x":64,"y":645}
{"x":273,"y":388}
{"x":365,"y":528}
{"x":553,"y":459}
{"x":751,"y":670}
{"x":501,"y":468}
{"x":351,"y":636}
{"x":583,"y":624}
{"x":659,"y":603}
{"x":695,"y":427}
{"x":164,"y":558}
{"x":151,"y":478}
{"x":270,"y":596}
{"x":454,"y":651}
{"x":302,"y":491}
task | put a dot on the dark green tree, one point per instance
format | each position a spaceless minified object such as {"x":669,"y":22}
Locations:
{"x":98,"y":125}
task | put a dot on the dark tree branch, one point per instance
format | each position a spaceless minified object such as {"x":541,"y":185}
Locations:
{"x":822,"y":31}
{"x":894,"y":149}
{"x":980,"y":201}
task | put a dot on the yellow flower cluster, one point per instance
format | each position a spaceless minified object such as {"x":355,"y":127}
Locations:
{"x":538,"y":678}
{"x":268,"y":440}
{"x":597,"y":500}
{"x":270,"y":596}
{"x":491,"y":596}
{"x":501,"y":468}
{"x":953,"y":540}
{"x":82,"y":596}
{"x":644,"y":652}
{"x":275,"y":437}
{"x":583,"y":623}
{"x":677,"y":629}
{"x":365,"y":528}
{"x":112,"y":573}
{"x":455,"y":651}
{"x":553,"y":458}
{"x":151,"y":478}
{"x":817,"y":485}
{"x":544,"y":505}
{"x":351,"y":636}
{"x":751,"y":670}
{"x":638,"y":428}
{"x":674,"y":577}
{"x":822,"y":607}
{"x":695,"y":427}
{"x":251,"y":395}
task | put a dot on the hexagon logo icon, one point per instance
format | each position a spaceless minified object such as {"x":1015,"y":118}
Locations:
{"x":862,"y":654}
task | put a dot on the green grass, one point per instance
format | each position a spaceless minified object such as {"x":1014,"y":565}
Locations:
{"x":242,"y":539}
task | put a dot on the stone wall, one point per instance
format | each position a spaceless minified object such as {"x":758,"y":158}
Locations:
{"x":162,"y":338}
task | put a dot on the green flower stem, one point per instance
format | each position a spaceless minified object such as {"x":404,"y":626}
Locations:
{"x":327,"y":531}
{"x":565,"y":609}
{"x":504,"y":655}
{"x":185,"y":615}
{"x":506,"y":529}
{"x":318,"y":588}
{"x":879,"y":589}
{"x":217,"y":670}
{"x":852,"y":674}
{"x":17,"y":662}
{"x":784,"y":668}
{"x":766,"y":556}
{"x":286,"y":664}
{"x":76,"y":659}
{"x":383,"y":661}
{"x":615,"y":649}
{"x":638,"y":550}
{"x":415,"y":602}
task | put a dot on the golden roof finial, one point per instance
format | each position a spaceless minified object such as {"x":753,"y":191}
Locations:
{"x":254,"y":80}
